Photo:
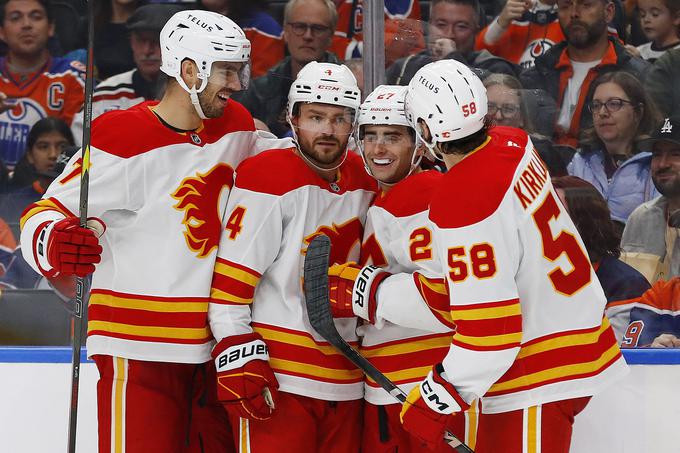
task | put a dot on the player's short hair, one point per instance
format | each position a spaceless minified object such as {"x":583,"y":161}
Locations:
{"x":287,"y":11}
{"x":467,"y":144}
{"x":590,"y":213}
{"x":46,"y":4}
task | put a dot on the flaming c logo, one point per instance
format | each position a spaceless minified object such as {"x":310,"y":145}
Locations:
{"x":343,"y":237}
{"x":199,"y":198}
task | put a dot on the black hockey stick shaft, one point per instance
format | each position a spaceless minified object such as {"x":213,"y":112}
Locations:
{"x":321,"y":319}
{"x":79,"y":309}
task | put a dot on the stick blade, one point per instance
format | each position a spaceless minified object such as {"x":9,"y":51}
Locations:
{"x":316,"y":283}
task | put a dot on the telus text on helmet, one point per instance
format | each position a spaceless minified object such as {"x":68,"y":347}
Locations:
{"x":430,"y":86}
{"x":200,"y":23}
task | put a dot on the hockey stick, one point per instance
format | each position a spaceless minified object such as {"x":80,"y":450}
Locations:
{"x":84,"y":185}
{"x":319,"y":313}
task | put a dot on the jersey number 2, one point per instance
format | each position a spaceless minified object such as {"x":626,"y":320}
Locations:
{"x":553,"y":247}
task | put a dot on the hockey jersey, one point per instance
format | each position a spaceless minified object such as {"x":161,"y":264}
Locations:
{"x":348,"y":38}
{"x":278,"y":205}
{"x":657,"y":313}
{"x":266,"y":37}
{"x":525,"y":39}
{"x":115,"y":93}
{"x":57,"y":89}
{"x":525,"y":300}
{"x":162,"y":195}
{"x":396,"y":238}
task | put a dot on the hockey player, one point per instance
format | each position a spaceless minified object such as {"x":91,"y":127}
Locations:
{"x":531,"y":340}
{"x":281,"y":200}
{"x":159,"y":179}
{"x":397,"y":239}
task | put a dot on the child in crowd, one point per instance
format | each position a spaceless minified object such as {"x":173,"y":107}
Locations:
{"x":660,"y":22}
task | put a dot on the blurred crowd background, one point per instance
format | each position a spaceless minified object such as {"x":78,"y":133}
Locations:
{"x":596,"y":83}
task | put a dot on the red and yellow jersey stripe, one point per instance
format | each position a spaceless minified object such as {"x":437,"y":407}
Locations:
{"x":435,"y":293}
{"x":233,"y":284}
{"x":490,"y":326}
{"x":48,"y":204}
{"x":559,"y":357}
{"x":179,"y":320}
{"x":297,"y":353}
{"x":407,"y":360}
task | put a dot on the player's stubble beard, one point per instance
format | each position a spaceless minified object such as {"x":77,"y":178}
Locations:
{"x":323,"y":160}
{"x":589,"y":35}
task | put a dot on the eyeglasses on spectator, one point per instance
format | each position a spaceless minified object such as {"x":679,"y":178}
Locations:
{"x":611,"y":105}
{"x":507,"y":110}
{"x":300,"y":28}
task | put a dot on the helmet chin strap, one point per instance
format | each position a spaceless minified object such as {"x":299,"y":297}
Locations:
{"x":193,"y":95}
{"x":431,"y":147}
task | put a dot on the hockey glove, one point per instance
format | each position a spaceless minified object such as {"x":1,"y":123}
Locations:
{"x":65,"y":248}
{"x":246,"y":384}
{"x":352,"y":290}
{"x":425,"y":412}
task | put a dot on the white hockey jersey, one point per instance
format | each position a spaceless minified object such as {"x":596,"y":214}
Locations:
{"x":397,"y":238}
{"x":162,"y":195}
{"x":277,"y":206}
{"x":528,"y":308}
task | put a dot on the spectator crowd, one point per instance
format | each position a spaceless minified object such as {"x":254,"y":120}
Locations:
{"x":595,"y":83}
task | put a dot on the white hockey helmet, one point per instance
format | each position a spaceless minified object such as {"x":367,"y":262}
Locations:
{"x":203,"y":37}
{"x":384,"y":106}
{"x":449,"y":98}
{"x":326,"y":83}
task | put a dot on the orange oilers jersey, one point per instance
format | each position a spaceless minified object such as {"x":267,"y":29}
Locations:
{"x":397,"y":238}
{"x":266,"y":37}
{"x":527,"y":305}
{"x":348,"y":38}
{"x":57,"y":89}
{"x":278,"y":204}
{"x":162,"y":195}
{"x":524,"y":40}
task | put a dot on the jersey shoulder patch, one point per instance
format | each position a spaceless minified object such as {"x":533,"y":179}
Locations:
{"x":410,"y":195}
{"x":473,"y":189}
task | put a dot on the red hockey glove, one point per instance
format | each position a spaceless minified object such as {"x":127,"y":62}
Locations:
{"x":352,"y":290}
{"x":64,"y":247}
{"x":246,"y":385}
{"x":427,"y":407}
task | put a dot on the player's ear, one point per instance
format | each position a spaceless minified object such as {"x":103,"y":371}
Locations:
{"x":189,"y":72}
{"x":424,"y":131}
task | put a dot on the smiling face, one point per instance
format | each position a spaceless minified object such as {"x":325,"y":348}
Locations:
{"x":614,"y":126}
{"x":388,"y":151}
{"x":26,"y":28}
{"x":665,"y":168}
{"x":222,"y":83}
{"x":323,"y":131}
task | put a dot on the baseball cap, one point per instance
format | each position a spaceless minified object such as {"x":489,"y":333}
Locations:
{"x":152,"y":17}
{"x":62,"y":160}
{"x":667,"y":131}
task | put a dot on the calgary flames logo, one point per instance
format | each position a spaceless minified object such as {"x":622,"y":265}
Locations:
{"x":199,"y":198}
{"x":343,"y":238}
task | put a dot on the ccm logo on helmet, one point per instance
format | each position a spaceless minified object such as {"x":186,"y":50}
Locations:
{"x":242,"y":352}
{"x":362,"y":283}
{"x":429,"y":85}
{"x":200,"y":23}
{"x":433,"y":397}
{"x":329,"y":87}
